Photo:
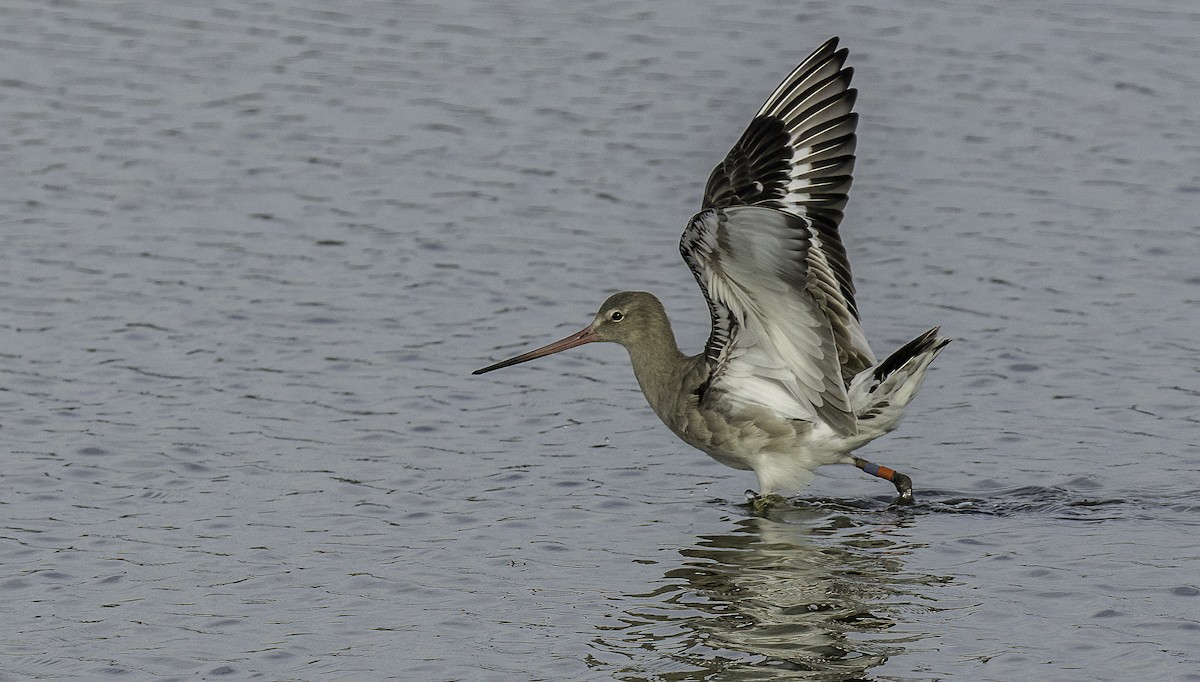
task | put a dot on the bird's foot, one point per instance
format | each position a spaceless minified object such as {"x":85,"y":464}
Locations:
{"x":904,"y":487}
{"x":762,"y":503}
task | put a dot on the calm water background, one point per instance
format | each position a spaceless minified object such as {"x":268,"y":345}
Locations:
{"x":251,"y":250}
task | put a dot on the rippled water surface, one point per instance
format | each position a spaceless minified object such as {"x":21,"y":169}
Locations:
{"x":251,"y":251}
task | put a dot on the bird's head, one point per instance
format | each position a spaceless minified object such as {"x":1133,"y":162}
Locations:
{"x":630,"y":318}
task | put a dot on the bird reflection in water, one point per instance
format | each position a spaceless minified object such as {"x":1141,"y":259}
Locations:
{"x":802,"y":590}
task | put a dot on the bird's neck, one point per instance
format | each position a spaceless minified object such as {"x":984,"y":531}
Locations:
{"x":658,"y":365}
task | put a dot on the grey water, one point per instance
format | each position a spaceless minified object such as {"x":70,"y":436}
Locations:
{"x":250,"y":252}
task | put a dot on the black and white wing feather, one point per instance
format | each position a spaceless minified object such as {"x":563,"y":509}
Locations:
{"x":771,"y":344}
{"x":767,"y":253}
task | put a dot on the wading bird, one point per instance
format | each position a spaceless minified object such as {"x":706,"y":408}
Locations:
{"x":786,"y":382}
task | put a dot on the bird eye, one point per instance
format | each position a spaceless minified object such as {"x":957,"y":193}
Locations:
{"x":616,"y":316}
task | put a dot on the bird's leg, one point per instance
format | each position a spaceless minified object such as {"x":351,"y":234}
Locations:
{"x":902,"y":482}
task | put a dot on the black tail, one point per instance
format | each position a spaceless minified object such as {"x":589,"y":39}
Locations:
{"x":929,"y":341}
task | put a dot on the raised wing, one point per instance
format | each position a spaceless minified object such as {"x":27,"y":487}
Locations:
{"x":797,"y":157}
{"x":772,"y":343}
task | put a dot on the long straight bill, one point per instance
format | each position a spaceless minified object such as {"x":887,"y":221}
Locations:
{"x":577,"y":339}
